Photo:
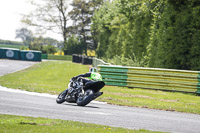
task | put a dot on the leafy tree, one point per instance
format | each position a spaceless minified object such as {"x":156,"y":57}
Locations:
{"x":159,"y":33}
{"x":100,"y":26}
{"x":122,"y":28}
{"x":49,"y":15}
{"x":46,"y":45}
{"x":176,"y":35}
{"x":81,"y":15}
{"x":49,"y":49}
{"x":73,"y":46}
{"x":24,"y":34}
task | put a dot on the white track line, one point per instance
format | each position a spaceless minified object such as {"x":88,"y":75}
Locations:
{"x":36,"y":94}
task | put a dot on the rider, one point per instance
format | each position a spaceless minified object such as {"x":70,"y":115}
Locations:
{"x":92,"y":76}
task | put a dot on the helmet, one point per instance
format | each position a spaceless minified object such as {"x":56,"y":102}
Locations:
{"x":93,"y":69}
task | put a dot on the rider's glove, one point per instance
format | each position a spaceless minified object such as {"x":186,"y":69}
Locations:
{"x":74,"y":78}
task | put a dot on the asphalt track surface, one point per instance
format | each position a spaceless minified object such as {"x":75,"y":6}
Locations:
{"x":10,"y":66}
{"x":24,"y":103}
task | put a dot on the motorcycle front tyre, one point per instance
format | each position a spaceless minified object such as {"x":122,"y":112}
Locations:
{"x":61,"y":97}
{"x":87,"y":98}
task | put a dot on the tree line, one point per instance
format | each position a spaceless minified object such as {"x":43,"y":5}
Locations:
{"x":73,"y":25}
{"x":8,"y":42}
{"x":45,"y":44}
{"x":154,"y":33}
{"x":151,"y":33}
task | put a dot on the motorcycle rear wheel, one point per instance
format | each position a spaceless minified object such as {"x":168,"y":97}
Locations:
{"x":87,"y":98}
{"x":61,"y":97}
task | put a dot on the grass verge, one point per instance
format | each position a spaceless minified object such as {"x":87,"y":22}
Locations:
{"x":154,"y":99}
{"x":46,"y":77}
{"x":19,"y":124}
{"x":53,"y":76}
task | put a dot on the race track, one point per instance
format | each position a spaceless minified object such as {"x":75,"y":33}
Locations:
{"x":10,"y":66}
{"x":23,"y":103}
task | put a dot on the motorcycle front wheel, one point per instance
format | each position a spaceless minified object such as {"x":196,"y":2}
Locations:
{"x":61,"y":97}
{"x":86,"y":98}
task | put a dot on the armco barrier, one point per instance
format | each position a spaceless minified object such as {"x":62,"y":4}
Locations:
{"x":151,"y":78}
{"x":97,"y":62}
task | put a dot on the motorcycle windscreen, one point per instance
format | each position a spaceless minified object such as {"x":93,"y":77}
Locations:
{"x":94,"y":85}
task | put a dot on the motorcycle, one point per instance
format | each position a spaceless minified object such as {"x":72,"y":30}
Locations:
{"x":80,"y":93}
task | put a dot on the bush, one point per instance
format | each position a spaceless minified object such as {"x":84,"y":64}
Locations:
{"x":121,"y":60}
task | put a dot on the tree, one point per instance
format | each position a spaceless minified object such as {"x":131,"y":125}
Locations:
{"x":43,"y":44}
{"x":73,"y":46}
{"x":24,"y":34}
{"x":49,"y":15}
{"x":175,"y":39}
{"x":49,"y":49}
{"x":81,"y":15}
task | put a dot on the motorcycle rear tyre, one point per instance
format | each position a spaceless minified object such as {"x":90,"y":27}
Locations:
{"x":86,"y":98}
{"x":61,"y":97}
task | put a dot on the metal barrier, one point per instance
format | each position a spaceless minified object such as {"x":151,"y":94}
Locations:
{"x":97,"y":62}
{"x":151,"y":78}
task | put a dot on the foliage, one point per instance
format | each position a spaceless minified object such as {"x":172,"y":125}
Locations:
{"x":81,"y":15}
{"x":49,"y":49}
{"x":46,"y":45}
{"x":73,"y":46}
{"x":121,"y":60}
{"x":119,"y":33}
{"x":177,"y":39}
{"x":162,"y":33}
{"x":49,"y":15}
{"x":25,"y":35}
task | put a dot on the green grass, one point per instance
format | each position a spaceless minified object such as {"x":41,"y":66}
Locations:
{"x":154,"y":99}
{"x":48,"y":77}
{"x":59,"y":57}
{"x":19,"y":124}
{"x":53,"y":76}
{"x":11,"y":46}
